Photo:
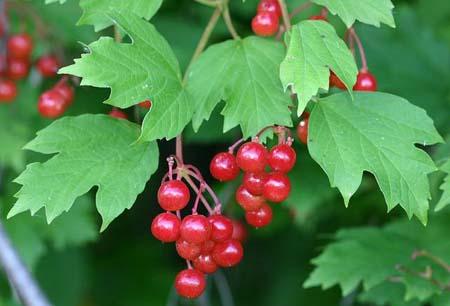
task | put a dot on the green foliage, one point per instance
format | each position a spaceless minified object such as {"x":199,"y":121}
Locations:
{"x":371,"y":12}
{"x":375,"y":132}
{"x":13,"y":136}
{"x":95,"y":12}
{"x":345,"y":261}
{"x":445,"y":187}
{"x":93,"y":150}
{"x":244,"y":73}
{"x":53,"y":1}
{"x":313,"y":49}
{"x":145,"y":69}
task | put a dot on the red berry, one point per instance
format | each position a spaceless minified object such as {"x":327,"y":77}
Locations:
{"x":17,"y":69}
{"x":173,"y":195}
{"x":51,"y":104}
{"x":221,"y":228}
{"x":365,"y":82}
{"x":260,"y":217}
{"x":223,"y":167}
{"x":190,"y":283}
{"x":302,"y":130}
{"x":66,"y":91}
{"x":270,"y":6}
{"x":277,"y":187}
{"x":247,"y":200}
{"x":318,"y":17}
{"x":252,"y":157}
{"x":265,"y":24}
{"x":254,"y":182}
{"x":195,"y":229}
{"x":116,"y":113}
{"x":205,"y":264}
{"x":187,"y":250}
{"x":207,"y":247}
{"x":239,"y":231}
{"x":228,"y":253}
{"x":8,"y":91}
{"x":166,"y":227}
{"x":20,"y":46}
{"x":146,"y":104}
{"x":48,"y":65}
{"x":282,"y":158}
{"x":336,"y":82}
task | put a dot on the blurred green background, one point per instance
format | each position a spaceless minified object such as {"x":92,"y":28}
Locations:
{"x":77,"y":266}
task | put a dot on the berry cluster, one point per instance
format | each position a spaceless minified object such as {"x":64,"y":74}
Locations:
{"x":265,"y":175}
{"x":117,"y":113}
{"x":205,"y":242}
{"x":267,"y":19}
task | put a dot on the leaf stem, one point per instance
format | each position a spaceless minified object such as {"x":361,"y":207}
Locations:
{"x":229,"y":23}
{"x":285,"y":14}
{"x":203,"y":39}
{"x":179,"y":149}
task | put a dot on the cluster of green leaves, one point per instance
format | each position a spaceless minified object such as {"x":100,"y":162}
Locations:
{"x":403,"y":258}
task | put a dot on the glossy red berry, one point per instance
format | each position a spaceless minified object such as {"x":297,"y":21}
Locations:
{"x":66,"y":91}
{"x":265,"y":24}
{"x":205,"y":264}
{"x":221,"y":228}
{"x":252,"y":157}
{"x":239,"y":231}
{"x":146,"y":104}
{"x":282,"y":158}
{"x":335,"y":81}
{"x":51,"y":104}
{"x":173,"y":195}
{"x":17,"y":68}
{"x":48,"y":65}
{"x":190,"y":283}
{"x":207,"y":247}
{"x":270,"y":6}
{"x":259,"y":218}
{"x":365,"y":82}
{"x":223,"y":167}
{"x":277,"y":187}
{"x":302,"y":130}
{"x":166,"y":227}
{"x":318,"y":17}
{"x":8,"y":91}
{"x":228,"y":253}
{"x":247,"y":200}
{"x":254,"y":182}
{"x":116,"y":113}
{"x":195,"y":229}
{"x":20,"y":46}
{"x":187,"y":250}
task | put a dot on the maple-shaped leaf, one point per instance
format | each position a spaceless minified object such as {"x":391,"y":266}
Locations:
{"x":313,"y":49}
{"x":144,"y":69}
{"x":445,"y":187}
{"x":375,"y":132}
{"x":372,"y":256}
{"x":371,"y":12}
{"x":243,"y":73}
{"x":90,"y":151}
{"x":95,"y":11}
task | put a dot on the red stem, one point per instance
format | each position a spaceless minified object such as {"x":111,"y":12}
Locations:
{"x":197,"y":198}
{"x":179,"y":149}
{"x":362,"y":54}
{"x":236,"y":144}
{"x":207,"y":188}
{"x":300,"y":9}
{"x":202,"y":198}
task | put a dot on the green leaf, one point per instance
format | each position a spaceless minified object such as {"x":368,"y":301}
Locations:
{"x":387,"y":294}
{"x":375,"y":132}
{"x":244,"y":73}
{"x":313,"y":49}
{"x":369,"y":256}
{"x":445,"y":187}
{"x":371,"y":12}
{"x":91,"y":150}
{"x":144,"y":69}
{"x":13,"y":136}
{"x":95,"y":11}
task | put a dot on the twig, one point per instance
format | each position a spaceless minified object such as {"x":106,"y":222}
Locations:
{"x":285,"y":14}
{"x":228,"y":22}
{"x":362,"y":53}
{"x":440,"y":262}
{"x":300,"y":9}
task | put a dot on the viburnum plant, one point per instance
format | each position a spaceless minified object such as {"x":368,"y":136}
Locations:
{"x":286,"y":83}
